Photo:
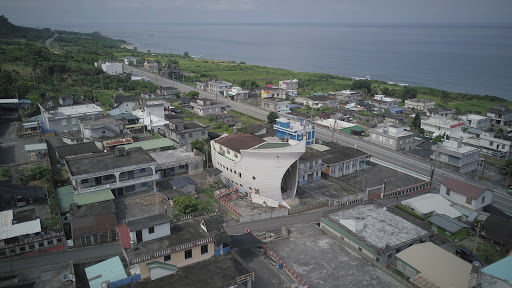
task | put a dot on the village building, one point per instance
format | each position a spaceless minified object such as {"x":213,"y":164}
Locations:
{"x":476,"y":121}
{"x":295,"y":130}
{"x":290,"y":86}
{"x":500,"y":115}
{"x":277,"y":105}
{"x":394,"y":137}
{"x":183,"y":133}
{"x":205,"y":107}
{"x":460,"y":157}
{"x":420,"y":104}
{"x":465,"y":194}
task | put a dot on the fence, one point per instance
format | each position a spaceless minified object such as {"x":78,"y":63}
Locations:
{"x":412,"y":189}
{"x":316,"y":205}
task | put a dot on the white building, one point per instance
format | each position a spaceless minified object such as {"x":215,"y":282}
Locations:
{"x":205,"y":107}
{"x":218,"y":87}
{"x":263,"y":169}
{"x":393,"y":137}
{"x":130,"y":60}
{"x":290,"y":86}
{"x":497,"y":147}
{"x":275,"y":104}
{"x":440,"y":112}
{"x":465,"y":194}
{"x":112,"y":68}
{"x":349,"y":96}
{"x":430,"y":204}
{"x":476,"y":121}
{"x":500,"y":115}
{"x":420,"y":104}
{"x":236,"y":94}
{"x":382,"y":101}
{"x":440,"y":125}
{"x":464,"y":158}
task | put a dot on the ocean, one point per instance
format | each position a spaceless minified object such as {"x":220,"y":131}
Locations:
{"x":459,"y":58}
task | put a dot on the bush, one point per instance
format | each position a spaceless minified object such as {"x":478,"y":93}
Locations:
{"x":408,"y":211}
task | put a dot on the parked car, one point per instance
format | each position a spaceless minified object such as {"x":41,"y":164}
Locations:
{"x":466,"y":255}
{"x":21,"y":201}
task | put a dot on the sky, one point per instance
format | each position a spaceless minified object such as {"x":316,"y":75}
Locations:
{"x":47,"y":12}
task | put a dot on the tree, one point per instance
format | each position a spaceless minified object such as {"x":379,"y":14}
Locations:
{"x":192,"y":94}
{"x":177,"y":95}
{"x":248,"y":84}
{"x":186,"y":55}
{"x":446,"y":98}
{"x":437,"y":139}
{"x":416,"y":122}
{"x":185,"y":204}
{"x":408,"y":93}
{"x":362,"y":85}
{"x":271,"y":117}
{"x":268,"y":82}
{"x":197,"y":144}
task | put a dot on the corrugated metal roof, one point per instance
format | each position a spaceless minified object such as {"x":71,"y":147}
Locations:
{"x":108,"y":270}
{"x":501,"y":269}
{"x":430,"y":202}
{"x":24,"y":228}
{"x":447,"y":223}
{"x":32,"y":147}
{"x":94,"y":197}
{"x":162,"y":265}
{"x":319,"y":147}
{"x":437,"y":265}
{"x":65,"y":196}
{"x":150,"y":144}
{"x":182,"y":181}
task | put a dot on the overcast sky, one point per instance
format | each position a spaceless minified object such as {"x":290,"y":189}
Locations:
{"x":48,"y":12}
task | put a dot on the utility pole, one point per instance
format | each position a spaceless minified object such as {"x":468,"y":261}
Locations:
{"x":476,"y":239}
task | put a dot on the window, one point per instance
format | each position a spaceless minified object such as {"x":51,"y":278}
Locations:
{"x":189,"y":135}
{"x":22,"y":248}
{"x":448,"y":192}
{"x":102,"y":132}
{"x":390,"y":255}
{"x":64,"y":122}
{"x":204,"y":249}
{"x":167,"y":258}
{"x":203,"y":133}
{"x":142,"y":170}
{"x":151,"y":230}
{"x":182,"y":136}
{"x":483,"y":199}
{"x":188,"y":254}
{"x":253,"y":178}
{"x":31,"y":246}
{"x":469,"y":200}
{"x":59,"y":240}
{"x":41,"y":244}
{"x":50,"y":242}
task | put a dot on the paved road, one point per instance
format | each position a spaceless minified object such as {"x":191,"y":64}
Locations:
{"x":501,"y":199}
{"x":75,"y":255}
{"x":49,"y":40}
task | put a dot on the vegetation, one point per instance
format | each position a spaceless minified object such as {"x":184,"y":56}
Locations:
{"x":271,"y":118}
{"x":410,"y":212}
{"x":192,"y":94}
{"x":4,"y":174}
{"x":186,"y":205}
{"x":487,"y":252}
{"x":459,"y":235}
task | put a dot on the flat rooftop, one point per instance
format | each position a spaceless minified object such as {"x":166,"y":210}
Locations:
{"x":216,"y":272}
{"x":79,"y":109}
{"x":170,"y":156}
{"x":93,"y":163}
{"x":380,"y":227}
{"x":139,"y":205}
{"x":318,"y":258}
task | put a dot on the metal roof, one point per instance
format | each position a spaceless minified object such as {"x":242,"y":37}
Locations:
{"x":94,"y":197}
{"x":447,"y":223}
{"x":182,"y":181}
{"x":166,"y":266}
{"x":150,"y":144}
{"x":437,"y":265}
{"x":430,"y":202}
{"x":108,"y":270}
{"x":34,"y":147}
{"x":24,"y":228}
{"x":500,"y":269}
{"x":66,"y":197}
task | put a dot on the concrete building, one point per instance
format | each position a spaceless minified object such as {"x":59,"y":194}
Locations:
{"x":152,"y":67}
{"x":167,"y":92}
{"x":205,"y":107}
{"x":99,"y":130}
{"x":310,"y":167}
{"x":184,"y":184}
{"x":431,"y":204}
{"x":60,"y":114}
{"x":275,"y":104}
{"x":290,"y":86}
{"x":93,"y":224}
{"x":349,"y":96}
{"x":317,"y":101}
{"x":123,"y":171}
{"x":179,"y":244}
{"x":420,"y":104}
{"x":153,"y":145}
{"x":384,"y":102}
{"x":126,"y":104}
{"x":263,"y":169}
{"x":497,"y":275}
{"x":341,"y":160}
{"x":438,"y":125}
{"x":295,"y":130}
{"x":76,"y":150}
{"x":112,"y":68}
{"x":373,"y":231}
{"x":498,"y":147}
{"x":462,"y":158}
{"x":476,"y":121}
{"x":394,"y":137}
{"x":441,"y":112}
{"x":236,"y":94}
{"x":273,"y":92}
{"x":155,"y":108}
{"x":217,"y":87}
{"x":465,"y":194}
{"x":130,"y":60}
{"x":428,"y":265}
{"x":500,"y":115}
{"x":183,"y":133}
{"x":179,"y":161}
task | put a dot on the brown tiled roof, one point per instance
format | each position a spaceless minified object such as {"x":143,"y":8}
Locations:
{"x":93,"y":219}
{"x":237,"y":142}
{"x":499,"y":229}
{"x":463,"y":188}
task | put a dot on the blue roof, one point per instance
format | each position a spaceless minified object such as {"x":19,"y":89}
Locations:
{"x":182,"y":181}
{"x":111,"y":270}
{"x":501,"y":269}
{"x":394,"y":109}
{"x":26,"y":101}
{"x":114,"y":112}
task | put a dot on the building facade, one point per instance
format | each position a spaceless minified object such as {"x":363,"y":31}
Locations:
{"x":218,"y":87}
{"x":476,"y":121}
{"x":349,"y":96}
{"x":274,"y":104}
{"x":183,"y":133}
{"x":394,"y":137}
{"x":438,"y":125}
{"x":420,"y":104}
{"x":463,"y":158}
{"x":236,"y":94}
{"x":295,"y":130}
{"x":61,"y":115}
{"x":290,"y":86}
{"x":205,"y":107}
{"x":500,"y":115}
{"x":465,"y":194}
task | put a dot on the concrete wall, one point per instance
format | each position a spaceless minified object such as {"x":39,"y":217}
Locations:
{"x":275,"y":212}
{"x":128,"y":107}
{"x":178,"y":258}
{"x":160,"y":231}
{"x":158,"y":272}
{"x":406,"y":268}
{"x":337,"y":235}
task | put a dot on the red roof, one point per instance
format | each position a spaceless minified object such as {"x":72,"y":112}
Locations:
{"x":458,"y":124}
{"x":124,"y":235}
{"x":270,"y":85}
{"x":237,"y":142}
{"x":463,"y":188}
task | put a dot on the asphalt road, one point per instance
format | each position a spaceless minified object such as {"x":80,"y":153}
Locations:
{"x":59,"y":257}
{"x":501,"y":199}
